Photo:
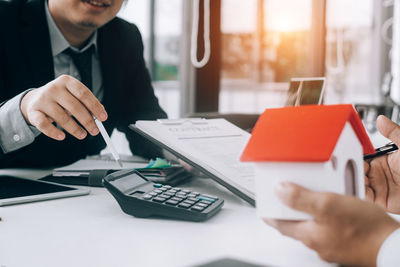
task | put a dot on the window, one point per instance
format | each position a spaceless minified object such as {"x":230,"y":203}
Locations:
{"x":349,"y":61}
{"x":138,"y":12}
{"x":160,"y":23}
{"x":264,"y":44}
{"x":168,"y":28}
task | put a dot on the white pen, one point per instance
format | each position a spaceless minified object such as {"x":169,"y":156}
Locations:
{"x":107,"y":139}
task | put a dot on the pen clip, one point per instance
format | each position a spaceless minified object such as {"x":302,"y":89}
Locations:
{"x":389,"y":147}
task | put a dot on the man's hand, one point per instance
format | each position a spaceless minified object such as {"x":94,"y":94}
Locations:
{"x":383,"y":173}
{"x":345,"y":229}
{"x":58,"y":101}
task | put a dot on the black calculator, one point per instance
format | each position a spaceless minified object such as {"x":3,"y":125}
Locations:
{"x":140,"y":197}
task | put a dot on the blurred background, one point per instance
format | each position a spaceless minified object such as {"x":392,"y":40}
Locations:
{"x":258,"y":45}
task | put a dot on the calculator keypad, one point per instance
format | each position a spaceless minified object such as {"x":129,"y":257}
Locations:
{"x":180,"y":198}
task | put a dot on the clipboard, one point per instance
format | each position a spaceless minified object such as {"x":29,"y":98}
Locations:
{"x":159,"y":132}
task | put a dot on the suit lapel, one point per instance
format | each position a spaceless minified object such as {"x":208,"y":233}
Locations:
{"x":36,"y":43}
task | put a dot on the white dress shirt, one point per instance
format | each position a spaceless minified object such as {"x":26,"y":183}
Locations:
{"x":389,"y":253}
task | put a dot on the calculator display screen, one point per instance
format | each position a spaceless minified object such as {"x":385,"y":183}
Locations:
{"x":128,"y":182}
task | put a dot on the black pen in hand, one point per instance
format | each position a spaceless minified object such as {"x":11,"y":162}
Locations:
{"x":390,"y":147}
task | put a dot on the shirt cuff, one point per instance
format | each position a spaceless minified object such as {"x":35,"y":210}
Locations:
{"x":15,"y":133}
{"x":388,"y":255}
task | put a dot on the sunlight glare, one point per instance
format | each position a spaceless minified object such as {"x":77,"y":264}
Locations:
{"x":287,"y":15}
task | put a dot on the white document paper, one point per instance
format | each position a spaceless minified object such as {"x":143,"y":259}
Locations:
{"x":214,"y":144}
{"x":84,"y":166}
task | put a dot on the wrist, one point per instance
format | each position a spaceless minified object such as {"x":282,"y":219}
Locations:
{"x":23,"y":106}
{"x":380,"y":237}
{"x":388,"y":252}
{"x":15,"y":133}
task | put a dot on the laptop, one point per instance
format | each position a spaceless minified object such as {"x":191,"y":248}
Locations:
{"x":306,"y":91}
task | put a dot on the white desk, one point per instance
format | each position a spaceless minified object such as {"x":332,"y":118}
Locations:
{"x":93,"y":231}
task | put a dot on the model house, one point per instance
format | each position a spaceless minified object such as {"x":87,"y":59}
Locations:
{"x":320,"y":147}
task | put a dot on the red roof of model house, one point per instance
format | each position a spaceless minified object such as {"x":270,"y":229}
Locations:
{"x":303,"y":133}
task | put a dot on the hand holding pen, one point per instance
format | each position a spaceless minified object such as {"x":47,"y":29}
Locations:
{"x":382,"y":169}
{"x":58,"y":101}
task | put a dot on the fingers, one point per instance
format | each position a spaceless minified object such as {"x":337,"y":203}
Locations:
{"x":295,"y":229}
{"x":378,"y":180}
{"x":44,"y":124}
{"x":388,"y":129}
{"x":62,"y":118}
{"x":81,"y":92}
{"x":369,"y":194}
{"x":302,"y":199}
{"x":62,"y":101}
{"x":366,"y":168}
{"x":74,"y":107}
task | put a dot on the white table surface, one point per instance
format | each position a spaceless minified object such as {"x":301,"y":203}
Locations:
{"x":93,"y":231}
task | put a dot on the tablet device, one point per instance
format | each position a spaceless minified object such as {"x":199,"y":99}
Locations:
{"x":306,"y":91}
{"x":15,"y":190}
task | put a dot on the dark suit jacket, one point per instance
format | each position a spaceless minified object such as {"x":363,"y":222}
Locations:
{"x":26,"y":62}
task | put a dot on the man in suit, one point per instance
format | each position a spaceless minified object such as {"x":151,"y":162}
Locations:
{"x":62,"y":61}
